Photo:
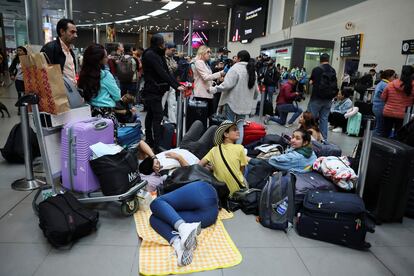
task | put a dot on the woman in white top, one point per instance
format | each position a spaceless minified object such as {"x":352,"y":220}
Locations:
{"x":239,"y":90}
{"x":203,"y":77}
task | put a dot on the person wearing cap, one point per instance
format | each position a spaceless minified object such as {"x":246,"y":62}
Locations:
{"x":204,"y":77}
{"x":225,"y":139}
{"x":285,"y":103}
{"x":158,"y":80}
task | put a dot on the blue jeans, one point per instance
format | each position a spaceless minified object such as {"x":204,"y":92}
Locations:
{"x":379,"y":120}
{"x":194,"y":202}
{"x":270,"y":91}
{"x":284,"y":110}
{"x":230,"y":115}
{"x":320,"y":109}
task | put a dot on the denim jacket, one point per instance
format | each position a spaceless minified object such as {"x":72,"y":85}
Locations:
{"x":293,"y":161}
{"x":341,"y":106}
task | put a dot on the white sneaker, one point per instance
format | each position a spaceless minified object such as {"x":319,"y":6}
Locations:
{"x":184,"y":256}
{"x":337,"y":130}
{"x":288,"y":125}
{"x":331,"y":127}
{"x":188,"y":234}
{"x":266,"y":120}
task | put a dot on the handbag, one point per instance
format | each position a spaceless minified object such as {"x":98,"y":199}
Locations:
{"x":247,"y":199}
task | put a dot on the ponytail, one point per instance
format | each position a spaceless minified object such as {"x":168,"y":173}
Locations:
{"x":251,"y":69}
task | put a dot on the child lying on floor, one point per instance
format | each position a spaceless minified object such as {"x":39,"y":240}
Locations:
{"x":299,"y":157}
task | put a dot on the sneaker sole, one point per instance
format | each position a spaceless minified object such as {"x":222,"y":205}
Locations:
{"x":186,"y":258}
{"x":191,"y":240}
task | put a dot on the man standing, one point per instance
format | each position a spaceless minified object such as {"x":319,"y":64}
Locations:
{"x":325,"y":87}
{"x":59,"y":51}
{"x":169,"y":100}
{"x":158,"y":80}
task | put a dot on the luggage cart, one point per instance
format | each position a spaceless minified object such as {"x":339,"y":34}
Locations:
{"x":47,"y":135}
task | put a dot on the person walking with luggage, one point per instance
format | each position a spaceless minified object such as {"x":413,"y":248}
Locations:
{"x":16,"y":73}
{"x":99,"y":86}
{"x":158,"y":80}
{"x":398,"y":95}
{"x":60,"y":52}
{"x":324,"y":82}
{"x":340,"y":105}
{"x":239,"y":91}
{"x":299,"y":157}
{"x":286,"y":104}
{"x":180,"y":215}
{"x":387,"y":76}
{"x":204,"y":77}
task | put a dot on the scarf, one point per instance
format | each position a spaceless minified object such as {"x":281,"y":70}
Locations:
{"x":305,"y":151}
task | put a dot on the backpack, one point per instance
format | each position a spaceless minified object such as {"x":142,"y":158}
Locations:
{"x":13,"y":149}
{"x":186,"y":71}
{"x":269,"y":77}
{"x":273,"y":205}
{"x":124,"y":69}
{"x":328,"y":84}
{"x":64,"y":219}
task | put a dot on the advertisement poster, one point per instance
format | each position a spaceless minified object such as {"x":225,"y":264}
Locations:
{"x":110,"y":33}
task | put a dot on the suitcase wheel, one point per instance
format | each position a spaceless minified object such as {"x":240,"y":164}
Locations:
{"x":128,"y":208}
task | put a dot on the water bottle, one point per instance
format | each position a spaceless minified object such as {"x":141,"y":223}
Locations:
{"x":282,"y":207}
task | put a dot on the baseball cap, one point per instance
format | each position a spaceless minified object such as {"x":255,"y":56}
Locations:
{"x":224,"y":50}
{"x":170,"y":45}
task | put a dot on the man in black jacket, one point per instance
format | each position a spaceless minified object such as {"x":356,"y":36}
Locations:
{"x":59,"y":51}
{"x":157,"y":81}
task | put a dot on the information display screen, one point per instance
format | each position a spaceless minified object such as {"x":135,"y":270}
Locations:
{"x":351,"y":45}
{"x":248,"y":21}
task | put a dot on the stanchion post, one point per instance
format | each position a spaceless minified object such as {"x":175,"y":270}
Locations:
{"x":364,"y":158}
{"x":262,"y":100}
{"x":179,"y":118}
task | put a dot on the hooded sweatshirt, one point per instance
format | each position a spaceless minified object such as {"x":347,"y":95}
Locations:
{"x":396,"y":100}
{"x":296,"y":160}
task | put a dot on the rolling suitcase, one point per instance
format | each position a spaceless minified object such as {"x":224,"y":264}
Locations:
{"x":253,"y":132}
{"x":354,"y":124}
{"x":336,"y":217}
{"x":77,"y":174}
{"x":196,"y":110}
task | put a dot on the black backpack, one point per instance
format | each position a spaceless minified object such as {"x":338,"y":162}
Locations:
{"x":328,"y":84}
{"x":124,"y":70}
{"x":13,"y":149}
{"x":64,"y":219}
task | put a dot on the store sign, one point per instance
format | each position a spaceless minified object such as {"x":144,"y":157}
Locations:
{"x":407,"y":47}
{"x":370,"y":65}
{"x":282,"y":51}
{"x":351,"y":45}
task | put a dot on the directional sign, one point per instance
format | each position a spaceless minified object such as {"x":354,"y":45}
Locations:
{"x":351,"y":45}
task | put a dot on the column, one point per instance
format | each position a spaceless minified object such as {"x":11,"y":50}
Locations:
{"x":144,"y":37}
{"x":68,"y":9}
{"x":190,"y":38}
{"x":97,"y":34}
{"x":34,"y":22}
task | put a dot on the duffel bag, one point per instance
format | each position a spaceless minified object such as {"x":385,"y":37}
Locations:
{"x":326,"y":149}
{"x":117,"y":173}
{"x":129,"y":135}
{"x":64,"y":219}
{"x":253,"y":132}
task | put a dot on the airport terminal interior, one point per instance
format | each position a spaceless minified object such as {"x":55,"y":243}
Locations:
{"x":153,"y":80}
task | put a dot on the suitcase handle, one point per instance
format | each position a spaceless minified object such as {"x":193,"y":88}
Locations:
{"x":101,"y":125}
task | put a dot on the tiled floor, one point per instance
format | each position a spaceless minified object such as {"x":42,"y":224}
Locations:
{"x":114,"y":248}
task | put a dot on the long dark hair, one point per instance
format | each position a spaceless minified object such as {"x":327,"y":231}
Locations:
{"x":309,"y":122}
{"x":16,"y":58}
{"x":306,"y":135}
{"x":407,"y":78}
{"x":90,"y":75}
{"x":251,"y":70}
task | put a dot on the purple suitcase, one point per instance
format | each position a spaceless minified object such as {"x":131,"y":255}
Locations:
{"x":77,"y":174}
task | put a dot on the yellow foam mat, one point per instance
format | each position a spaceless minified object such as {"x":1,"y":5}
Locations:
{"x":215,"y":249}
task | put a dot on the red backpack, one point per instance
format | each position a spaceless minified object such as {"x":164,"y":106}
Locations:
{"x":252,"y":132}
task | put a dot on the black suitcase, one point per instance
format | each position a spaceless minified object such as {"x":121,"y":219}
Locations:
{"x":390,"y":178}
{"x":364,"y":108}
{"x":334,"y":217}
{"x":216,"y":120}
{"x":64,"y":219}
{"x":166,"y":142}
{"x":196,"y":110}
{"x":390,"y":173}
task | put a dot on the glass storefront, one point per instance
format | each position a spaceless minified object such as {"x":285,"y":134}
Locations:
{"x":282,"y":55}
{"x":312,"y":54}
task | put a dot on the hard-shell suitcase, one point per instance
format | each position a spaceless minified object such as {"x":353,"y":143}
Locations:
{"x":253,"y":132}
{"x":334,"y":217}
{"x":354,"y":124}
{"x":77,"y":174}
{"x":390,"y":173}
{"x":168,"y":133}
{"x":196,"y":110}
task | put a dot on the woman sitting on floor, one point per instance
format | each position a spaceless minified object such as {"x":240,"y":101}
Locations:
{"x":299,"y":157}
{"x":308,"y":123}
{"x":341,"y":104}
{"x":179,"y":216}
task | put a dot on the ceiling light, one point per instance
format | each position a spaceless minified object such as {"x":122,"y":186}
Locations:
{"x":142,"y":17}
{"x":191,"y":2}
{"x":123,"y":21}
{"x":157,"y":12}
{"x":221,"y":5}
{"x":206,"y":3}
{"x":92,"y":12}
{"x":172,"y":5}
